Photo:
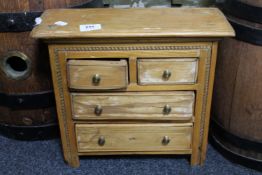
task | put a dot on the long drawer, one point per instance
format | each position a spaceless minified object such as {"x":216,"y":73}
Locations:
{"x":171,"y":105}
{"x":133,"y":137}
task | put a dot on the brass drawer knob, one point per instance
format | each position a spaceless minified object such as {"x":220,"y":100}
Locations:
{"x":165,"y":140}
{"x":166,"y":74}
{"x":101,"y":141}
{"x":96,"y":79}
{"x":167,"y":109}
{"x":98,"y":110}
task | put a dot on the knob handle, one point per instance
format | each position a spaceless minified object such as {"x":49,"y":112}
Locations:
{"x":167,"y":109}
{"x":98,"y":109}
{"x":165,"y":140}
{"x":96,"y":79}
{"x":166,"y":74}
{"x":101,"y":141}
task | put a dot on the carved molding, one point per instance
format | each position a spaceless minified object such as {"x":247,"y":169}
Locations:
{"x":130,"y":48}
{"x":205,"y":98}
{"x":62,"y":102}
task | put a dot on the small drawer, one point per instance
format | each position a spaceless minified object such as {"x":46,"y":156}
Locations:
{"x":175,"y":105}
{"x":167,"y":71}
{"x":133,"y":137}
{"x":96,"y":75}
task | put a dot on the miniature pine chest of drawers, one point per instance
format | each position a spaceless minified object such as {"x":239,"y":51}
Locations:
{"x":133,"y":81}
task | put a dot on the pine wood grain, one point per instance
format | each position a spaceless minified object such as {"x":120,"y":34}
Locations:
{"x":113,"y":74}
{"x":200,"y":105}
{"x":201,"y":51}
{"x":186,"y":22}
{"x":133,"y":137}
{"x":115,"y":153}
{"x":63,"y":105}
{"x":146,"y":105}
{"x":151,"y":71}
{"x":134,"y":40}
{"x":210,"y":85}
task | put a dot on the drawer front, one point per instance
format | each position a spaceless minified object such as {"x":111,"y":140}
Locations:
{"x":95,"y":75}
{"x":167,"y":71}
{"x":176,"y":105}
{"x":132,"y":137}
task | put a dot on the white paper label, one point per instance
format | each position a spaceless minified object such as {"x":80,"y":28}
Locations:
{"x":90,"y":27}
{"x":38,"y":21}
{"x":60,"y":23}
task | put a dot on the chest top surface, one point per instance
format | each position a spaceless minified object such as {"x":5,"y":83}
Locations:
{"x":118,"y":23}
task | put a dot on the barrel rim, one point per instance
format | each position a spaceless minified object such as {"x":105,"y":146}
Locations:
{"x":240,"y":142}
{"x":246,"y":32}
{"x":243,"y":10}
{"x":30,"y":133}
{"x":232,"y":156}
{"x":32,"y":100}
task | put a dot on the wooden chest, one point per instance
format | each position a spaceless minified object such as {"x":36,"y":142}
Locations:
{"x":133,"y":81}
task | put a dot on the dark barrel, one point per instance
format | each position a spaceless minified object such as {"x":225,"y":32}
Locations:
{"x":194,"y":3}
{"x":27,"y":106}
{"x":237,"y":103}
{"x":159,"y":3}
{"x":250,"y":10}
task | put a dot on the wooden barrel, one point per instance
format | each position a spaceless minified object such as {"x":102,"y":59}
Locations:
{"x":27,"y":104}
{"x":237,"y":102}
